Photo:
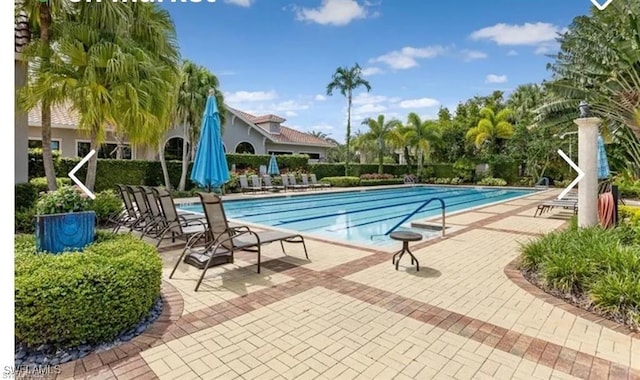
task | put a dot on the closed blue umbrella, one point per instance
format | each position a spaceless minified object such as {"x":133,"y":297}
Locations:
{"x":603,"y":163}
{"x":210,"y":168}
{"x":273,"y":166}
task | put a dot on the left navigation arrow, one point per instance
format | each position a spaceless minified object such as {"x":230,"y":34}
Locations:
{"x":72,"y":174}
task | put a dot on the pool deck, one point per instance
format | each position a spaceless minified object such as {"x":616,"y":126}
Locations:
{"x":348,"y":314}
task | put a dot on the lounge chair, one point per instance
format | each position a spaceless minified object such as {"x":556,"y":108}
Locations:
{"x":128,"y":216}
{"x":305,"y":182}
{"x":294,"y":185}
{"x":145,"y":217}
{"x":178,"y":225}
{"x":224,"y":240}
{"x":549,"y":205}
{"x":244,"y":185}
{"x":269,"y":184}
{"x":314,"y":182}
{"x":257,"y":183}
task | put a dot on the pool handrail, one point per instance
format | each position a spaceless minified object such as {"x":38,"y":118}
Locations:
{"x":424,"y":204}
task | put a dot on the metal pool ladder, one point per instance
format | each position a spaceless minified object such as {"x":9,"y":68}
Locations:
{"x":423,"y":205}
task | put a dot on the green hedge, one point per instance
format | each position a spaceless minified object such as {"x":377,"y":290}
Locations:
{"x":378,"y":182}
{"x":83,"y":297}
{"x":289,"y":161}
{"x":341,"y":181}
{"x":26,"y":195}
{"x":322,"y":170}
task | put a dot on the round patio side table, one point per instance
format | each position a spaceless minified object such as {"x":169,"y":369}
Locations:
{"x":405,"y":237}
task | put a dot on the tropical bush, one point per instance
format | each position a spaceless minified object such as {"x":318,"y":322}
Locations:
{"x":65,"y":199}
{"x":490,"y":181}
{"x":595,"y":267}
{"x":83,"y":297}
{"x":25,"y":196}
{"x":376,"y":176}
{"x":40,"y":183}
{"x":341,"y":181}
{"x":106,"y":204}
{"x":379,"y":182}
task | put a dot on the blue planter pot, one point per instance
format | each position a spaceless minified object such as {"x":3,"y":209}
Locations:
{"x":71,"y":231}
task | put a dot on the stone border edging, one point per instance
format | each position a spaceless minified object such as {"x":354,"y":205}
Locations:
{"x":173,"y":306}
{"x":517,"y":278}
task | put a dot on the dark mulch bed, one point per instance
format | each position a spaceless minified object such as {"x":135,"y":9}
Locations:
{"x":581,"y":301}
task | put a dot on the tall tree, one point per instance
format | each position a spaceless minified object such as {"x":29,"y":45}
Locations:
{"x":398,"y":139}
{"x":195,"y":83}
{"x":41,"y":18}
{"x":379,"y":130}
{"x":117,"y":66}
{"x":421,"y":136}
{"x":491,"y":130}
{"x":318,"y":134}
{"x":346,"y":80}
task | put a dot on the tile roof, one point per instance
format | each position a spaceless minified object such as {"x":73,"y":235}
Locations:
{"x":287,"y":135}
{"x":62,"y":116}
{"x":21,"y":31}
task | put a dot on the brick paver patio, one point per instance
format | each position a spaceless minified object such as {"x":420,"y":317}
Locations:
{"x":348,"y":314}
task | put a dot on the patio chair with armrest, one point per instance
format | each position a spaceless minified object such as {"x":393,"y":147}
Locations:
{"x":178,"y":225}
{"x":224,"y":240}
{"x":244,"y":185}
{"x":268,"y":183}
{"x":146,"y":219}
{"x":314,"y":181}
{"x":129,"y":215}
{"x":257,"y":183}
{"x":294,"y":185}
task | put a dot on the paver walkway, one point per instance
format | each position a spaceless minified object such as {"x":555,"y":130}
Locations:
{"x":348,"y":314}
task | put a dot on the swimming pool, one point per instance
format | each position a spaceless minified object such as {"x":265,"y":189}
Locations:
{"x":359,"y":217}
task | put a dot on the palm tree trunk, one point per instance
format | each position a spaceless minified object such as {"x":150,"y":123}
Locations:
{"x":47,"y":156}
{"x":419,"y":151}
{"x":92,"y":166}
{"x":185,"y":158}
{"x":348,"y":141}
{"x":163,"y":165}
{"x":380,"y":156}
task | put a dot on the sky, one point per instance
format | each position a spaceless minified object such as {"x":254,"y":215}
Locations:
{"x":277,"y":56}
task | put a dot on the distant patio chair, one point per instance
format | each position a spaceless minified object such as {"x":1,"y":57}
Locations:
{"x":268,"y":183}
{"x":178,"y":225}
{"x":225,"y":240}
{"x":294,"y":185}
{"x":244,"y":185}
{"x":314,"y":182}
{"x":256,"y":182}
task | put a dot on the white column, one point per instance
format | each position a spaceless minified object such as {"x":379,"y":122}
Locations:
{"x":588,"y":163}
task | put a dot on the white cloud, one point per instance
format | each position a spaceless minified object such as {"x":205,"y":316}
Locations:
{"x":334,"y":12}
{"x":470,"y":55}
{"x":367,"y":109}
{"x":290,"y":113}
{"x":250,"y":96}
{"x":547,"y":48}
{"x":322,"y":127}
{"x":513,"y":35}
{"x":366,"y":98}
{"x":512,"y":53}
{"x":493,"y":78}
{"x":372,"y":70}
{"x":290,"y":105}
{"x":408,"y":56}
{"x":419,"y":103}
{"x":242,"y":3}
{"x":320,"y":98}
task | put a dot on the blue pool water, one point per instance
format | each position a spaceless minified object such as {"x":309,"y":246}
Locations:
{"x":359,"y":217}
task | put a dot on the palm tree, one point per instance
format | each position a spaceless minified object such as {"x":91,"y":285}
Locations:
{"x":346,"y":80}
{"x":318,"y":134}
{"x":117,"y":72}
{"x":379,"y":131}
{"x":421,"y":135}
{"x":362,"y":146}
{"x":41,"y":15}
{"x":491,"y":130}
{"x":397,"y":139}
{"x":196,"y":81}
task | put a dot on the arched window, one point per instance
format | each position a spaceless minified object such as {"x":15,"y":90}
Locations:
{"x":245,"y":147}
{"x":173,"y":149}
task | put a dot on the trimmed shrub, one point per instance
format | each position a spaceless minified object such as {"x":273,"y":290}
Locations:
{"x":327,"y":170}
{"x":376,"y":176}
{"x":341,"y":181}
{"x":106,"y":204}
{"x":41,"y":185}
{"x":25,"y":196}
{"x":490,"y":181}
{"x":83,"y":297}
{"x":632,"y":214}
{"x":24,"y":220}
{"x":379,"y":182}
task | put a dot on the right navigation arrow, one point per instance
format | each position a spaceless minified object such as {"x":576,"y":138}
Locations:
{"x":576,"y":168}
